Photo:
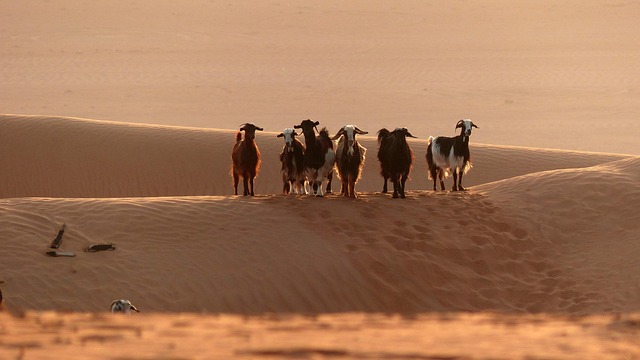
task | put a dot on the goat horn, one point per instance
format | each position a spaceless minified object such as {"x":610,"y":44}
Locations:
{"x":338,"y":134}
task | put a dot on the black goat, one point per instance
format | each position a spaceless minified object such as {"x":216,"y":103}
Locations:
{"x":349,"y":158}
{"x":292,"y":158}
{"x":450,"y":153}
{"x":319,"y":157}
{"x":246,"y":158}
{"x":395,"y":158}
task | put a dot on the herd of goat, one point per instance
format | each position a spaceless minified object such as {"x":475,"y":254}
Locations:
{"x":306,"y":167}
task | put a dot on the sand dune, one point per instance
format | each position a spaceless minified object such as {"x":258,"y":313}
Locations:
{"x":69,"y":157}
{"x":532,"y":73}
{"x":558,"y":240}
{"x":538,"y":259}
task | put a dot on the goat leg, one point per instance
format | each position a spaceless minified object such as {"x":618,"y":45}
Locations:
{"x":441,"y":177}
{"x":434,"y":175}
{"x":251,"y":185}
{"x":236,"y":179}
{"x":384,"y":185}
{"x":396,"y":185}
{"x":245,"y":183}
{"x":455,"y":180}
{"x":352,"y":188}
{"x":460,"y":181}
{"x":320,"y":190}
{"x":402,"y":183}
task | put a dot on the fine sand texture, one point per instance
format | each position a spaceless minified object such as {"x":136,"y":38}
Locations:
{"x":48,"y":335}
{"x":557,"y":240}
{"x":117,"y":120}
{"x":531,"y":73}
{"x":546,"y":232}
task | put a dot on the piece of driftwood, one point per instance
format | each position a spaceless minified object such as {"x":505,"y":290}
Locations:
{"x":58,"y":240}
{"x":101,"y":247}
{"x":59,"y":253}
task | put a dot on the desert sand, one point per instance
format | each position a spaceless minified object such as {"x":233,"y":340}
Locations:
{"x":118,"y":119}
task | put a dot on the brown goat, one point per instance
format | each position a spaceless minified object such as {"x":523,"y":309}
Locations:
{"x":246,"y":158}
{"x":349,"y":158}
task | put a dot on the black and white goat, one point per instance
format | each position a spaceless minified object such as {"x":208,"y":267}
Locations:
{"x":292,"y":158}
{"x":246,"y":158}
{"x":122,"y":306}
{"x":349,"y":158}
{"x":395,"y":158}
{"x":319,"y":157}
{"x":446,"y":154}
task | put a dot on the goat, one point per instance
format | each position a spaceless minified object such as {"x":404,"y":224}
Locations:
{"x":319,"y":157}
{"x":122,"y":306}
{"x":349,"y":158}
{"x":450,"y":153}
{"x":395,"y":158}
{"x":246,"y":158}
{"x":291,"y":157}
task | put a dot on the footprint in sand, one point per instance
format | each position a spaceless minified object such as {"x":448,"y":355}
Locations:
{"x":351,"y":248}
{"x":420,"y":228}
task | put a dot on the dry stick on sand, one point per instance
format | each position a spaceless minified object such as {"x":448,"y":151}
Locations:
{"x":58,"y":240}
{"x":55,"y":244}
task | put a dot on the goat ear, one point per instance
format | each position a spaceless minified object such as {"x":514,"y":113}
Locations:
{"x":358,"y":131}
{"x":459,"y":124}
{"x":280,"y":135}
{"x":297,"y":127}
{"x":407,"y":133}
{"x":316,"y":123}
{"x":259,"y":128}
{"x":474,"y":125}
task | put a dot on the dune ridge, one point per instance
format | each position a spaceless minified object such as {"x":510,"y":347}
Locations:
{"x":548,"y":231}
{"x":538,"y":259}
{"x":70,"y":157}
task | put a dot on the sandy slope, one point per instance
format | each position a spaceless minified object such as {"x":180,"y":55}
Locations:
{"x":561,"y":240}
{"x":540,"y":231}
